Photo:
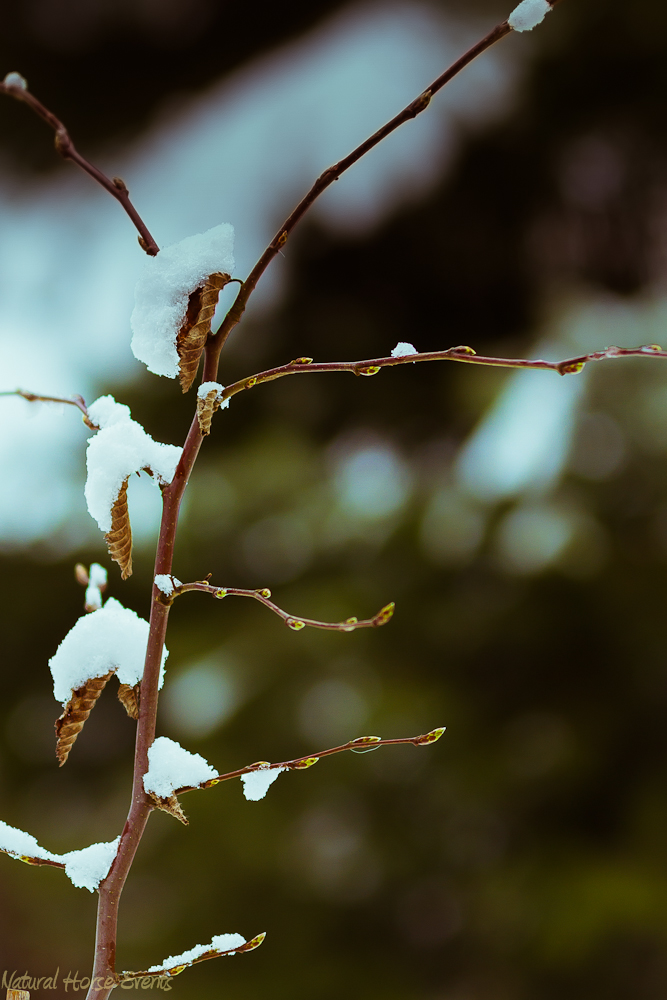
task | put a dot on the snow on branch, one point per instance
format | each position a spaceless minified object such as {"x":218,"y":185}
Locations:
{"x":258,"y":777}
{"x":171,"y":767}
{"x":110,"y":640}
{"x":85,"y":868}
{"x":166,"y":306}
{"x":120,"y":448}
{"x":263,"y":596}
{"x":222,"y":944}
{"x":528,"y":14}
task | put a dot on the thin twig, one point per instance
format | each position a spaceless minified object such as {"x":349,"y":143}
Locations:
{"x":30,"y":859}
{"x":296,"y":623}
{"x":335,"y":171}
{"x":66,"y":148}
{"x":176,"y":970}
{"x":363,"y":744}
{"x":570,"y":366}
{"x":33,"y":397}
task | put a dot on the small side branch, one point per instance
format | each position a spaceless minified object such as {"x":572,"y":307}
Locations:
{"x":29,"y":859}
{"x":33,"y":397}
{"x":179,"y":965}
{"x":292,"y":621}
{"x":363,"y":744}
{"x":335,"y":171}
{"x":66,"y":148}
{"x":570,"y":366}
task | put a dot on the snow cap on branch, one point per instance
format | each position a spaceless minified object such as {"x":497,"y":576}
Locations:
{"x":206,"y":387}
{"x":257,"y":783}
{"x":88,"y":867}
{"x":528,"y":14}
{"x":170,"y":767}
{"x":113,"y":638}
{"x":85,"y":868}
{"x":21,"y":844}
{"x":166,"y":584}
{"x":119,"y":448}
{"x":220,"y":943}
{"x":402,"y":350}
{"x":163,"y":291}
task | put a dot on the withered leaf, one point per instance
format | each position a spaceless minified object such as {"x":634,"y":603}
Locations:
{"x":128,"y":696}
{"x":171,"y":806}
{"x":119,"y":538}
{"x":192,"y":336}
{"x":77,"y":710}
{"x":206,"y":407}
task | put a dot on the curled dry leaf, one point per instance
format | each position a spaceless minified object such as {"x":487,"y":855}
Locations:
{"x":206,"y":407}
{"x":169,"y":805}
{"x":191,"y":338}
{"x":128,"y":696}
{"x":119,"y":538}
{"x":77,"y":710}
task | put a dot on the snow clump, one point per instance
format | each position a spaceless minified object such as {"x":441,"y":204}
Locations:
{"x":88,"y":867}
{"x":221,"y":942}
{"x":207,"y":387}
{"x":113,"y":638}
{"x":257,"y":783}
{"x":97,"y":581}
{"x":170,"y":767}
{"x":119,"y":448}
{"x":402,"y":350}
{"x":528,"y":14}
{"x":163,"y":291}
{"x":166,"y":584}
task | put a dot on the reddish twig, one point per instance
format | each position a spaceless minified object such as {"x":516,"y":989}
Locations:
{"x":294,"y":622}
{"x":335,"y":171}
{"x":66,"y":148}
{"x":176,"y":970}
{"x":363,"y":744}
{"x":77,"y":401}
{"x":29,"y":859}
{"x":570,"y":366}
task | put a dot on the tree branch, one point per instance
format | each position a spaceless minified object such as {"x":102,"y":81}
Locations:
{"x":263,"y":595}
{"x":176,"y":970}
{"x":570,"y":366}
{"x":77,"y":401}
{"x":335,"y":171}
{"x":66,"y":148}
{"x":363,"y":744}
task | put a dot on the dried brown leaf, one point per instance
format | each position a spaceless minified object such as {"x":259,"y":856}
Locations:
{"x":171,"y":806}
{"x":77,"y":710}
{"x":192,"y":336}
{"x":206,"y":407}
{"x":119,"y":538}
{"x":128,"y":696}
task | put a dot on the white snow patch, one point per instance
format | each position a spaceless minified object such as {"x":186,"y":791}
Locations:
{"x":97,"y":576}
{"x":16,"y":80}
{"x":88,"y":867}
{"x":167,"y":584}
{"x":257,"y":783}
{"x":113,"y":638}
{"x":120,"y":448}
{"x":402,"y":350}
{"x":163,"y":290}
{"x":171,"y":767}
{"x":85,"y":868}
{"x":221,"y":942}
{"x":22,"y":844}
{"x":528,"y":14}
{"x":207,"y":387}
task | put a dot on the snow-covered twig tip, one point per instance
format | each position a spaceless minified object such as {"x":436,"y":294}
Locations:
{"x":222,"y":944}
{"x":528,"y":14}
{"x":85,"y":868}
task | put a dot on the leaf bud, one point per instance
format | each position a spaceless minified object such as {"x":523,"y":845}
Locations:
{"x":364,"y":744}
{"x":372,"y":370}
{"x":300,"y":765}
{"x":220,"y":593}
{"x":295,"y":624}
{"x":431,"y":737}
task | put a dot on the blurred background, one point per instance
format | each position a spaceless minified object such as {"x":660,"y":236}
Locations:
{"x":519,"y":521}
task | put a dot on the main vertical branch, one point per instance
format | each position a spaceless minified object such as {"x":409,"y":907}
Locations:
{"x":140,"y":808}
